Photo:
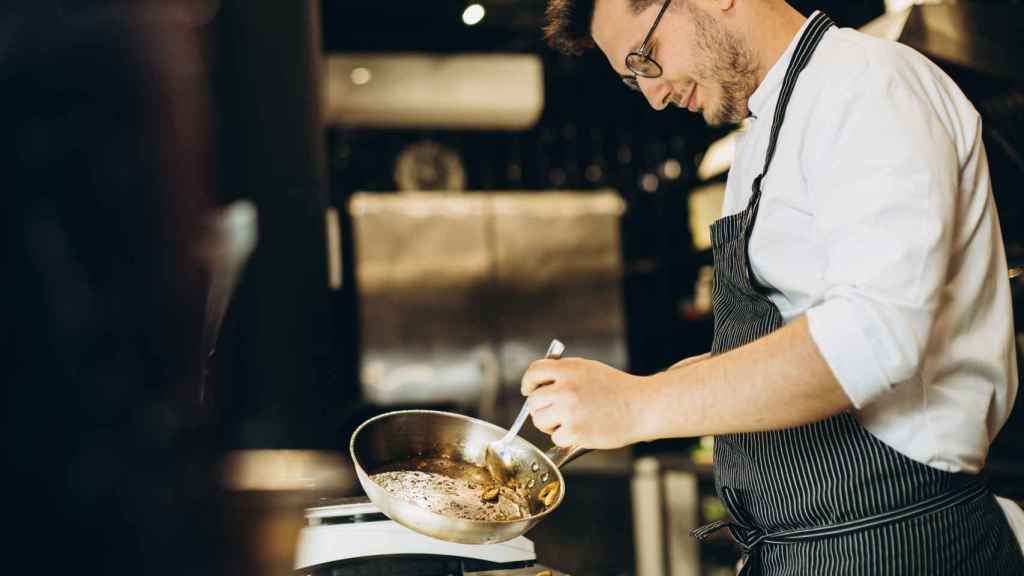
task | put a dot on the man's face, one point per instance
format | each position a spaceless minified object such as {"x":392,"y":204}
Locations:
{"x":705,"y":67}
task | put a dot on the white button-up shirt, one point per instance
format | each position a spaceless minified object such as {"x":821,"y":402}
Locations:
{"x":877,"y":221}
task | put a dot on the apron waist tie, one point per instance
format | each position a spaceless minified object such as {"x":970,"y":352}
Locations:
{"x":750,"y":536}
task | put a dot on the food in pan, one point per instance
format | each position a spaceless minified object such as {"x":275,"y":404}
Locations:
{"x":548,"y":494}
{"x":454,"y":489}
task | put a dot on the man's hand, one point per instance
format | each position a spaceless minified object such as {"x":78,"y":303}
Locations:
{"x":582,"y":402}
{"x":776,"y":382}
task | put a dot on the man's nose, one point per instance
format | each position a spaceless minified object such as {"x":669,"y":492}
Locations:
{"x":656,"y":90}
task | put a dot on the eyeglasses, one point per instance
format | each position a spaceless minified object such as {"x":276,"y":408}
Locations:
{"x":640,"y":62}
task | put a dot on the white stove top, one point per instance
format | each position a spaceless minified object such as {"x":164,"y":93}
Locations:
{"x":353,"y":533}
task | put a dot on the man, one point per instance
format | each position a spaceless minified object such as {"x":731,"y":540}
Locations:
{"x":863,"y":353}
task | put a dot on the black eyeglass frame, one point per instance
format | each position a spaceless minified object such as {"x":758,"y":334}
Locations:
{"x":641,"y":57}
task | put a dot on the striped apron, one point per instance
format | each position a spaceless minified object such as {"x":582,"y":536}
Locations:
{"x":829,"y":497}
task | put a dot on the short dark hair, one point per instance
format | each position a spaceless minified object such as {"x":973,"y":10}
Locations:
{"x":568,"y":23}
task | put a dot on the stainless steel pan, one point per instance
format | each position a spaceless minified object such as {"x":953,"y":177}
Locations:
{"x":398,"y":440}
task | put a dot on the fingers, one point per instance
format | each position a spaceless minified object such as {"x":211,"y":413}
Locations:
{"x":549,"y":385}
{"x":545,"y":418}
{"x":539,"y":400}
{"x":550,"y":421}
{"x":541,"y":373}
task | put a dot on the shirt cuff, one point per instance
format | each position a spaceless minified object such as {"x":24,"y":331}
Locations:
{"x":835,"y":329}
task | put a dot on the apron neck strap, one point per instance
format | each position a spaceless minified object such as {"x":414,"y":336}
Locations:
{"x":815,"y":31}
{"x":809,"y":40}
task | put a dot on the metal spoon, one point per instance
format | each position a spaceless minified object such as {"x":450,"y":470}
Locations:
{"x":499,"y":460}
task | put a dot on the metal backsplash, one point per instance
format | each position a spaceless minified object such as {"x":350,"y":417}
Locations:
{"x":458,"y":293}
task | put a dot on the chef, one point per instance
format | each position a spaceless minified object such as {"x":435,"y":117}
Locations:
{"x":863,"y":354}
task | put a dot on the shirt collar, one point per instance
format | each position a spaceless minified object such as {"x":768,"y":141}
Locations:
{"x":764,"y":95}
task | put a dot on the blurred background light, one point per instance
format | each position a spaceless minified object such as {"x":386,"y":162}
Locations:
{"x":649,"y":182}
{"x":473,"y":14}
{"x":671,"y":169}
{"x":360,"y":76}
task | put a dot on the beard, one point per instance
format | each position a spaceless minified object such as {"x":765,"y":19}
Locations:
{"x":726,"y":61}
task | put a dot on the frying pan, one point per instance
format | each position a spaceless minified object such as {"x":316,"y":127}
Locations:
{"x":394,"y":440}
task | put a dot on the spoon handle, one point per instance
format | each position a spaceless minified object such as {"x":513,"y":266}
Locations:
{"x":520,"y":420}
{"x":554,"y":352}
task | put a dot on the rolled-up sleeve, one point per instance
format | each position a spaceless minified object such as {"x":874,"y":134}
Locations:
{"x":883,"y":175}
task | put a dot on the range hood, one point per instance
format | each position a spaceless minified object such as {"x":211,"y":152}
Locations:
{"x":986,"y":38}
{"x":458,"y":91}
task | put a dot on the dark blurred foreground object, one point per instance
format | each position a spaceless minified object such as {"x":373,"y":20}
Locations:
{"x":106,"y":168}
{"x":275,"y":367}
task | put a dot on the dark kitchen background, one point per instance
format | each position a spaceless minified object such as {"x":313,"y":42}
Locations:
{"x":220,"y":268}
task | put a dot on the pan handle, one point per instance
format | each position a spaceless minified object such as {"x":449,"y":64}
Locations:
{"x":562,"y":456}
